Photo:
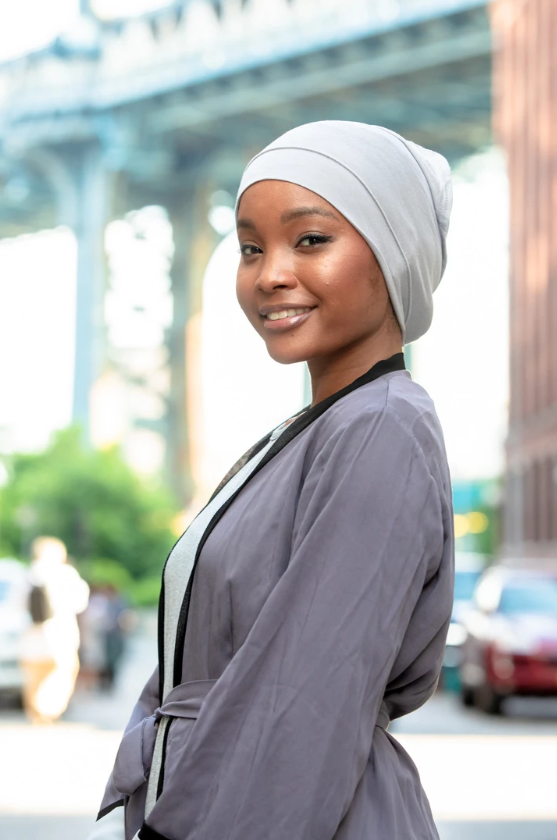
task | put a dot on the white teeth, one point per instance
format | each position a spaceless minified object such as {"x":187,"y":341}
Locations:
{"x":286,"y":313}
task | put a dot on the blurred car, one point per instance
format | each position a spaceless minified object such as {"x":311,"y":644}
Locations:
{"x":14,"y":618}
{"x":468,"y":570}
{"x":511,"y":638}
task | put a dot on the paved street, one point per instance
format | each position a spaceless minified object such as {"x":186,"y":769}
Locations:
{"x":487,"y":779}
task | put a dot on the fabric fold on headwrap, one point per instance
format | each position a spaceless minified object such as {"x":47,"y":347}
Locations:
{"x":397,"y":195}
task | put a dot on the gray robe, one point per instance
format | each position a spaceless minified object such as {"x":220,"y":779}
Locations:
{"x":316,"y":613}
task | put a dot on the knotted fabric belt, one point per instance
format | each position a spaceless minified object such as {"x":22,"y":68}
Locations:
{"x":134,"y":757}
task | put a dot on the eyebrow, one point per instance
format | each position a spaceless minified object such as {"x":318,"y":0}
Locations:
{"x":290,"y":215}
{"x":299,"y":212}
{"x":245,"y":223}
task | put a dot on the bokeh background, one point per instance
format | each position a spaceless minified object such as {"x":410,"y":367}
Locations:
{"x":129,"y":382}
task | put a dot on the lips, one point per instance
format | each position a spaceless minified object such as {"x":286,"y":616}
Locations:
{"x":287,"y":313}
{"x":279,"y":320}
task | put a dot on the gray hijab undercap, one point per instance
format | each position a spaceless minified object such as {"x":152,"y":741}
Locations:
{"x":397,"y":195}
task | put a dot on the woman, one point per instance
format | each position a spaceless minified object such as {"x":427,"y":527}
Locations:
{"x":322,"y":566}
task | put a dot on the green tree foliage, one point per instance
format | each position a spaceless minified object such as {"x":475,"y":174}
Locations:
{"x":92,"y":501}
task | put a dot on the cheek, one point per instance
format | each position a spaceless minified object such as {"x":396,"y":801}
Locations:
{"x":350,"y":279}
{"x":245,"y":292}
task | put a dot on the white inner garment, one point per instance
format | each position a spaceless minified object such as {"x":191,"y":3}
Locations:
{"x":176,"y":576}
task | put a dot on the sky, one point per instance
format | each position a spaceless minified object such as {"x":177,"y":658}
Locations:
{"x":37,"y":306}
{"x":28,"y":25}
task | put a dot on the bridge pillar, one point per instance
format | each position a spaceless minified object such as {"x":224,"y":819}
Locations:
{"x":89,"y":222}
{"x":80,"y":182}
{"x":194,"y":242}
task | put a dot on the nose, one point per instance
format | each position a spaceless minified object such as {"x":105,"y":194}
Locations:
{"x":275,"y":272}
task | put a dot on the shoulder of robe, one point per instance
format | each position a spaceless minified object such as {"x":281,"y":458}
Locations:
{"x":417,"y":413}
{"x":384,"y":415}
{"x":391,"y":402}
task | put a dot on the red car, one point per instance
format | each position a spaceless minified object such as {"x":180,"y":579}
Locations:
{"x":511,"y":638}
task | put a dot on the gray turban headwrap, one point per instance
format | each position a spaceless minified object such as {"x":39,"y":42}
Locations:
{"x":396,"y":194}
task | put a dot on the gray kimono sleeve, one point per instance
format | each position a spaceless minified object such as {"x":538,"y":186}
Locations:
{"x":283,"y":738}
{"x":144,"y":708}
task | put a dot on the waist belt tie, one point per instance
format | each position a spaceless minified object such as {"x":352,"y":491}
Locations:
{"x":135,"y":754}
{"x":185,"y":700}
{"x":134,"y":757}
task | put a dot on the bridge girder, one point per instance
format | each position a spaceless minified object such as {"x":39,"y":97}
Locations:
{"x":382,"y":77}
{"x":186,"y":94}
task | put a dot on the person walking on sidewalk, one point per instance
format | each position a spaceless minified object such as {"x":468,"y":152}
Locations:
{"x":49,"y":658}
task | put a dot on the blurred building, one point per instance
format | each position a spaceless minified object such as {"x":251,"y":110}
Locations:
{"x":525,"y":118}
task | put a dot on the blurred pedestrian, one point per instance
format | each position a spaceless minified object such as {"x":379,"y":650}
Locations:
{"x":49,"y":647}
{"x":307,"y":605}
{"x":114,"y":636}
{"x":103,"y":626}
{"x":93,"y":624}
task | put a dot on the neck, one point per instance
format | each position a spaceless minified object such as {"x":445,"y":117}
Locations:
{"x":332,"y":373}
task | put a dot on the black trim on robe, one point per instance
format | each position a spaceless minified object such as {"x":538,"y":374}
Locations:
{"x":160,"y":781}
{"x":147,"y":833}
{"x":302,"y":421}
{"x":104,"y":811}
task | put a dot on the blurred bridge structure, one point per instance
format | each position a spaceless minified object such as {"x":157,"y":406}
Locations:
{"x":165,"y":109}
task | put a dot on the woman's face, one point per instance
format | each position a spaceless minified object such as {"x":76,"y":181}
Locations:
{"x":307,"y":281}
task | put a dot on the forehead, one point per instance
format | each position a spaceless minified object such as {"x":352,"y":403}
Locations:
{"x":280,"y":194}
{"x":282,"y":202}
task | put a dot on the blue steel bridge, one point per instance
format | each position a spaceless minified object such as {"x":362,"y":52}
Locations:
{"x":166,"y":108}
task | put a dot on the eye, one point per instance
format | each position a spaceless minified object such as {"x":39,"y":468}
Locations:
{"x":249,"y":250}
{"x":311,"y":239}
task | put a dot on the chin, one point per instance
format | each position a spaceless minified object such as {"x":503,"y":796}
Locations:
{"x":286,"y":355}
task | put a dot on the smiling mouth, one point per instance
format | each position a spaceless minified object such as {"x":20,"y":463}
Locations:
{"x":286,"y":313}
{"x":286,"y":319}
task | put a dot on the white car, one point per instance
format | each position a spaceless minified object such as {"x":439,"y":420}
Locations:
{"x":14,"y":618}
{"x":468,"y":570}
